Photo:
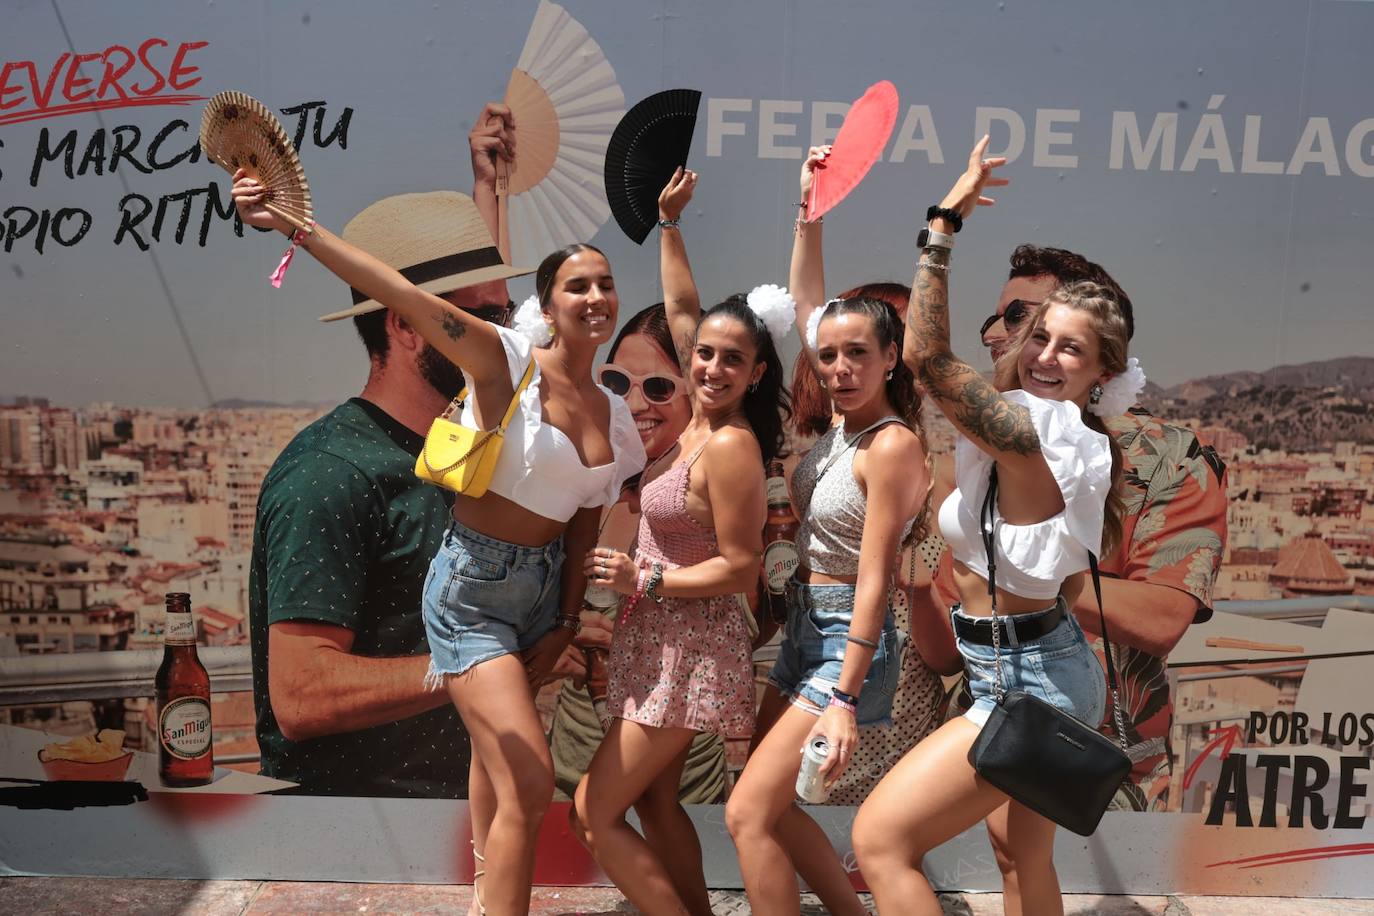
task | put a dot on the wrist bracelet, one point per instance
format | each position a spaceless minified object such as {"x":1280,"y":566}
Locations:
{"x":654,"y":580}
{"x":838,"y":694}
{"x":843,"y":704}
{"x":933,"y":265}
{"x":956,"y":221}
{"x":568,"y":622}
{"x":860,"y":641}
{"x":669,"y":223}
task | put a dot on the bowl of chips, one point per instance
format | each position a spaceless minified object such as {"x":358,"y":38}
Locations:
{"x":90,"y":757}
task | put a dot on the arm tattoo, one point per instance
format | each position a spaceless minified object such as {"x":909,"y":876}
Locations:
{"x":964,"y":395}
{"x":452,"y":326}
{"x":978,"y":407}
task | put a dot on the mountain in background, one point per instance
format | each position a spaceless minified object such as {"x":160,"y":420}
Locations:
{"x":1299,"y":408}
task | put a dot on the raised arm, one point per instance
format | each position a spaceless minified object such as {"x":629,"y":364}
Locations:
{"x":807,"y":279}
{"x":680,"y":298}
{"x":491,"y":141}
{"x":998,"y":426}
{"x":468,"y":341}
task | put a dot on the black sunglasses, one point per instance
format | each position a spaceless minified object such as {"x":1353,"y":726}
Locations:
{"x":496,"y":314}
{"x":1015,"y":313}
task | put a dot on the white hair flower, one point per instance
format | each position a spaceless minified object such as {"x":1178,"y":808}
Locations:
{"x":775,"y":307}
{"x":1120,"y":393}
{"x":529,"y":321}
{"x":813,"y":324}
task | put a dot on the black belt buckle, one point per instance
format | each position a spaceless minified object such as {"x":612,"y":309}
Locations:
{"x":980,"y":631}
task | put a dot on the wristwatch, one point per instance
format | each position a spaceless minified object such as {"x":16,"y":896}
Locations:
{"x":929,"y":238}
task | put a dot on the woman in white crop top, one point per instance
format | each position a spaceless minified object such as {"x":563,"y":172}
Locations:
{"x":500,"y":603}
{"x":1056,"y":471}
{"x":860,"y":492}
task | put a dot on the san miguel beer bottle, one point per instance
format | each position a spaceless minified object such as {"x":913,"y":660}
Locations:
{"x":779,"y":538}
{"x":185,"y":757}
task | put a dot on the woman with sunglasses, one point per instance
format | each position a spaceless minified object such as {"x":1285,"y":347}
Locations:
{"x":1037,"y":437}
{"x":647,"y":376}
{"x":860,"y":492}
{"x":500,"y":603}
{"x":680,"y":660}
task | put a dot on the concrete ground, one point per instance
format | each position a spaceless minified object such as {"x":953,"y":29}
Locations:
{"x":151,"y":897}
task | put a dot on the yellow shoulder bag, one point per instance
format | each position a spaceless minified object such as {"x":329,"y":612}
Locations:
{"x":461,"y":459}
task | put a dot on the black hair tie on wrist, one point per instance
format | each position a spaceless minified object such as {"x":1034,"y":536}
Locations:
{"x":955,"y":220}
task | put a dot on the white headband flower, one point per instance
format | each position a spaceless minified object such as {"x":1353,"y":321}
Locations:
{"x":813,"y":324}
{"x":1120,"y":393}
{"x":529,"y":321}
{"x":775,"y":307}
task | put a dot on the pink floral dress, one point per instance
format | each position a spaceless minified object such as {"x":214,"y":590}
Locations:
{"x":681,"y":662}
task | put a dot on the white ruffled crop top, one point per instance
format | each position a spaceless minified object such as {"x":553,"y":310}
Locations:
{"x":1033,"y":560}
{"x":539,"y":467}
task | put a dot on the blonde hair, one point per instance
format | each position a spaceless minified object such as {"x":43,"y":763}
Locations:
{"x":1109,"y":323}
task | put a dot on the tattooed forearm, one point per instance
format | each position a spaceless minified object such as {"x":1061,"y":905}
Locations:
{"x":977,"y":407}
{"x":452,"y":326}
{"x":928,"y":315}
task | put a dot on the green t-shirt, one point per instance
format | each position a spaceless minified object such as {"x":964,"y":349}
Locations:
{"x":344,"y":535}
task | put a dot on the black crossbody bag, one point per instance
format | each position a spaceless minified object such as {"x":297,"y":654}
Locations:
{"x":1043,"y":757}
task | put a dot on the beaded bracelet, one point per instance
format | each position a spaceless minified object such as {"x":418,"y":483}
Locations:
{"x":669,"y":223}
{"x":653,"y":582}
{"x":568,"y":622}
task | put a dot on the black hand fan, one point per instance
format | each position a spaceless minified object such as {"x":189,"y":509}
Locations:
{"x":648,"y":145}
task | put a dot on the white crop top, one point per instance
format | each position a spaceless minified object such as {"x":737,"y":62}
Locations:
{"x":1033,"y":560}
{"x":539,"y":467}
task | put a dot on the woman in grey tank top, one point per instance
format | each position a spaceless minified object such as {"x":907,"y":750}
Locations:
{"x":859,"y":493}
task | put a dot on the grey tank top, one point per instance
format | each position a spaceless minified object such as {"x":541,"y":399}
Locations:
{"x":831,"y":505}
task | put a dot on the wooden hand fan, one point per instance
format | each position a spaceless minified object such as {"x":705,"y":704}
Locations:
{"x":239,"y":132}
{"x":648,"y":145}
{"x":860,"y":142}
{"x":565,"y":102}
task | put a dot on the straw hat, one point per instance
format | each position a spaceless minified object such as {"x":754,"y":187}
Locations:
{"x":437,"y":240}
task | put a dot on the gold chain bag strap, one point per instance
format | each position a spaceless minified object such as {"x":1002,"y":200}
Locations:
{"x":462,"y":459}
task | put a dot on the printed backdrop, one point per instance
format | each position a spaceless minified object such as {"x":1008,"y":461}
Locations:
{"x":1217,"y":158}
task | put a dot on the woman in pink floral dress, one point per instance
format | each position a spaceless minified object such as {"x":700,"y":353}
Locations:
{"x":680,"y":661}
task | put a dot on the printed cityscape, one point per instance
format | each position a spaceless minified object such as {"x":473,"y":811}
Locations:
{"x":104,"y":509}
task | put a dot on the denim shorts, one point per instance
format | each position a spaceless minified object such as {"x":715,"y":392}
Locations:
{"x":813,"y":646}
{"x":1059,"y":668}
{"x":485,"y":598}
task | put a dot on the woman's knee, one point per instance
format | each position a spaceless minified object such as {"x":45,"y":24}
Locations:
{"x":532,"y":788}
{"x":879,"y":841}
{"x":1014,"y":852}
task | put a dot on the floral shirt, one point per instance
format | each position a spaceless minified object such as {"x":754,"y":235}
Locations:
{"x":1174,"y":534}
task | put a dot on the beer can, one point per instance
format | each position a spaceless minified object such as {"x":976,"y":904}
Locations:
{"x":811,"y":786}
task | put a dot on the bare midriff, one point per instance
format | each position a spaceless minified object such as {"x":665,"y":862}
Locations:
{"x":498,"y":517}
{"x":974,"y":601}
{"x":811,"y":577}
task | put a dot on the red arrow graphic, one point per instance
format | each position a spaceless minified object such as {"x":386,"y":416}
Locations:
{"x":1226,"y":739}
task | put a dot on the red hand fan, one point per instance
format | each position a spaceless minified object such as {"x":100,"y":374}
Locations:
{"x":860,"y":142}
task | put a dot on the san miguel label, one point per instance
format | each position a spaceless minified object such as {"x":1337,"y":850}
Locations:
{"x":779,"y":561}
{"x":184,"y":727}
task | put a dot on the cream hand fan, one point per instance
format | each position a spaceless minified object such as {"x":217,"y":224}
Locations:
{"x":239,"y":132}
{"x":565,"y":103}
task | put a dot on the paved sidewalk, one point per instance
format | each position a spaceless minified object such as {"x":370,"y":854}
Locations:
{"x":150,"y":897}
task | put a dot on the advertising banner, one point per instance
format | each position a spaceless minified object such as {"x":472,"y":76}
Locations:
{"x":157,"y":393}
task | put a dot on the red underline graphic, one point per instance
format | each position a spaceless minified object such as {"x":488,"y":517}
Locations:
{"x":1301,"y":855}
{"x":55,"y":111}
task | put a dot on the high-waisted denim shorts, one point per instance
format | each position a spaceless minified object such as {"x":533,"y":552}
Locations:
{"x":813,"y":646}
{"x":1059,"y":668}
{"x":485,"y":598}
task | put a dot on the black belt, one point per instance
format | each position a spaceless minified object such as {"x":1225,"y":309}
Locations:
{"x":1029,"y":627}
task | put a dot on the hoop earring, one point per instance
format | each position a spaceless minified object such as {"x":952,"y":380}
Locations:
{"x":753,"y":386}
{"x":1095,"y":393}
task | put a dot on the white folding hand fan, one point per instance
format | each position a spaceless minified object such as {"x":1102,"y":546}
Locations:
{"x":566,"y":103}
